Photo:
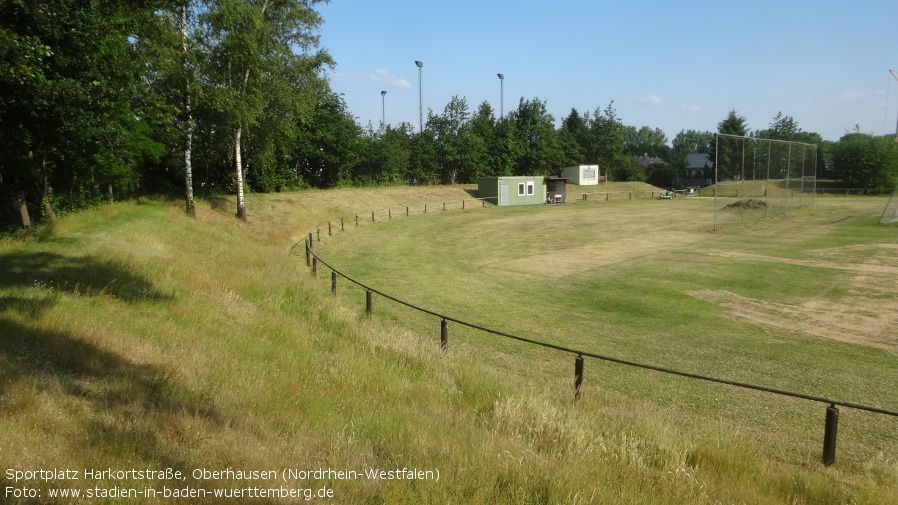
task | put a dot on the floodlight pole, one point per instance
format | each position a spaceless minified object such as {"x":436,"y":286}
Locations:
{"x":895,"y":75}
{"x":420,"y":97}
{"x":501,"y":96}
{"x":383,"y":111}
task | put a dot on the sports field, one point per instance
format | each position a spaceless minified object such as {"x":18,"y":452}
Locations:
{"x":133,"y":337}
{"x":805,"y":303}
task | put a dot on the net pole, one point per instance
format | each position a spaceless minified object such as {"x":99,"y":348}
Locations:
{"x":742,"y":184}
{"x":801,"y":193}
{"x":716,"y":183}
{"x":767,"y":184}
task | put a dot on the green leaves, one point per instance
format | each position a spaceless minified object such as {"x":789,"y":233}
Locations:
{"x":866,"y":161}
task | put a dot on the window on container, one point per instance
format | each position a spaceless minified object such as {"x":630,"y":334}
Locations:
{"x":520,"y":189}
{"x":530,"y":187}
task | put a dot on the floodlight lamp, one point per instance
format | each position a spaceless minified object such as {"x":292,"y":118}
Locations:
{"x":419,"y":63}
{"x":501,"y":76}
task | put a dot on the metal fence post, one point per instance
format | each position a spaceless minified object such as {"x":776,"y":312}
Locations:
{"x":334,"y":282}
{"x":368,"y":303}
{"x":578,"y":375}
{"x":829,"y":435}
{"x":444,"y":335}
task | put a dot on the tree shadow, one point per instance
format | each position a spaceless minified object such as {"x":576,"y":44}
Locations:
{"x":127,"y":407}
{"x":80,"y":275}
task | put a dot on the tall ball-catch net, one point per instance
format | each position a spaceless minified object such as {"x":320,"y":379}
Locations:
{"x":890,"y":213}
{"x":758,"y":178}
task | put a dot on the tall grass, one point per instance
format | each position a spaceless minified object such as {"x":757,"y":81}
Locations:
{"x":134,"y":337}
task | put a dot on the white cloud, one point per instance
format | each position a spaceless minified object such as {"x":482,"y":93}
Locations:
{"x":853,"y":95}
{"x":652,"y":99}
{"x":379,"y":75}
{"x":392,"y":80}
{"x":690,"y":108}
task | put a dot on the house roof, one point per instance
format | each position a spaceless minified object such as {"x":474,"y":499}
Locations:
{"x":646,"y":160}
{"x":699,"y":160}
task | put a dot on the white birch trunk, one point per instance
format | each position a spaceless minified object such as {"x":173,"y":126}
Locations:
{"x":241,"y":204}
{"x":188,"y":140}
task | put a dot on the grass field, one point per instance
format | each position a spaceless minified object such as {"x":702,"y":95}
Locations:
{"x":132,"y":337}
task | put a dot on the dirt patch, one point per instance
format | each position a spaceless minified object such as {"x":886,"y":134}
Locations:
{"x":751,"y":203}
{"x":866,"y":315}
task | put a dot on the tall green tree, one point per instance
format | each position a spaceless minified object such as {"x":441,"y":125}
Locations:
{"x":606,"y":140}
{"x":256,"y":50}
{"x":861,"y":160}
{"x":645,"y":141}
{"x":733,"y":124}
{"x":329,"y":146}
{"x":72,"y":99}
{"x":538,"y":149}
{"x":456,"y":144}
{"x":574,"y":136}
{"x":730,"y":164}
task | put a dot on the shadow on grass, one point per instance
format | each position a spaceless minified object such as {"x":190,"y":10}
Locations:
{"x":221,"y":204}
{"x":127,"y":407}
{"x":80,"y":275}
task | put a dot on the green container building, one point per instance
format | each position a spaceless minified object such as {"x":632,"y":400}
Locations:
{"x":515,"y":190}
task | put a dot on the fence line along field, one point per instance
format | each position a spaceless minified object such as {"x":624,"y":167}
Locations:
{"x":805,"y":302}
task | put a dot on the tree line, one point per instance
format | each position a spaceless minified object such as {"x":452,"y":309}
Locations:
{"x":106,"y":99}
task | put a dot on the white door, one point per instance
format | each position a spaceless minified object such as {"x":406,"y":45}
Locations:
{"x":503,"y":195}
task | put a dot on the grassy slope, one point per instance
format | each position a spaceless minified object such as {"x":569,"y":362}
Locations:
{"x":132,"y":337}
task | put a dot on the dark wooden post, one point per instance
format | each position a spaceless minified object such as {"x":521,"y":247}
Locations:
{"x":368,"y":308}
{"x":829,"y":435}
{"x":334,"y":282}
{"x":444,"y":335}
{"x":578,"y":375}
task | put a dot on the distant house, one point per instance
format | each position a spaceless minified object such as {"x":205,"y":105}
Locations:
{"x":699,"y":170}
{"x":509,"y":191}
{"x":645,"y":160}
{"x":583,"y":175}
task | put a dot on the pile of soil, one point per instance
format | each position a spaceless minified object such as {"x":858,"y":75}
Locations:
{"x":751,"y":203}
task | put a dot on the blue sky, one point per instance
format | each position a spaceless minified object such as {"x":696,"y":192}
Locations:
{"x":674,"y":65}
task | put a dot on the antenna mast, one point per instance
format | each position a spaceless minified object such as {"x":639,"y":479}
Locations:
{"x":895,"y":75}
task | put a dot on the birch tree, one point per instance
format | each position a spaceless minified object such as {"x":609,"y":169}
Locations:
{"x":253,"y":46}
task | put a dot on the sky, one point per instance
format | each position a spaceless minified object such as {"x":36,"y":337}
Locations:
{"x":673,"y":65}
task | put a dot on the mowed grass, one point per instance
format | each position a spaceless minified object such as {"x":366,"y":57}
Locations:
{"x":620,"y":279}
{"x":132,"y":337}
